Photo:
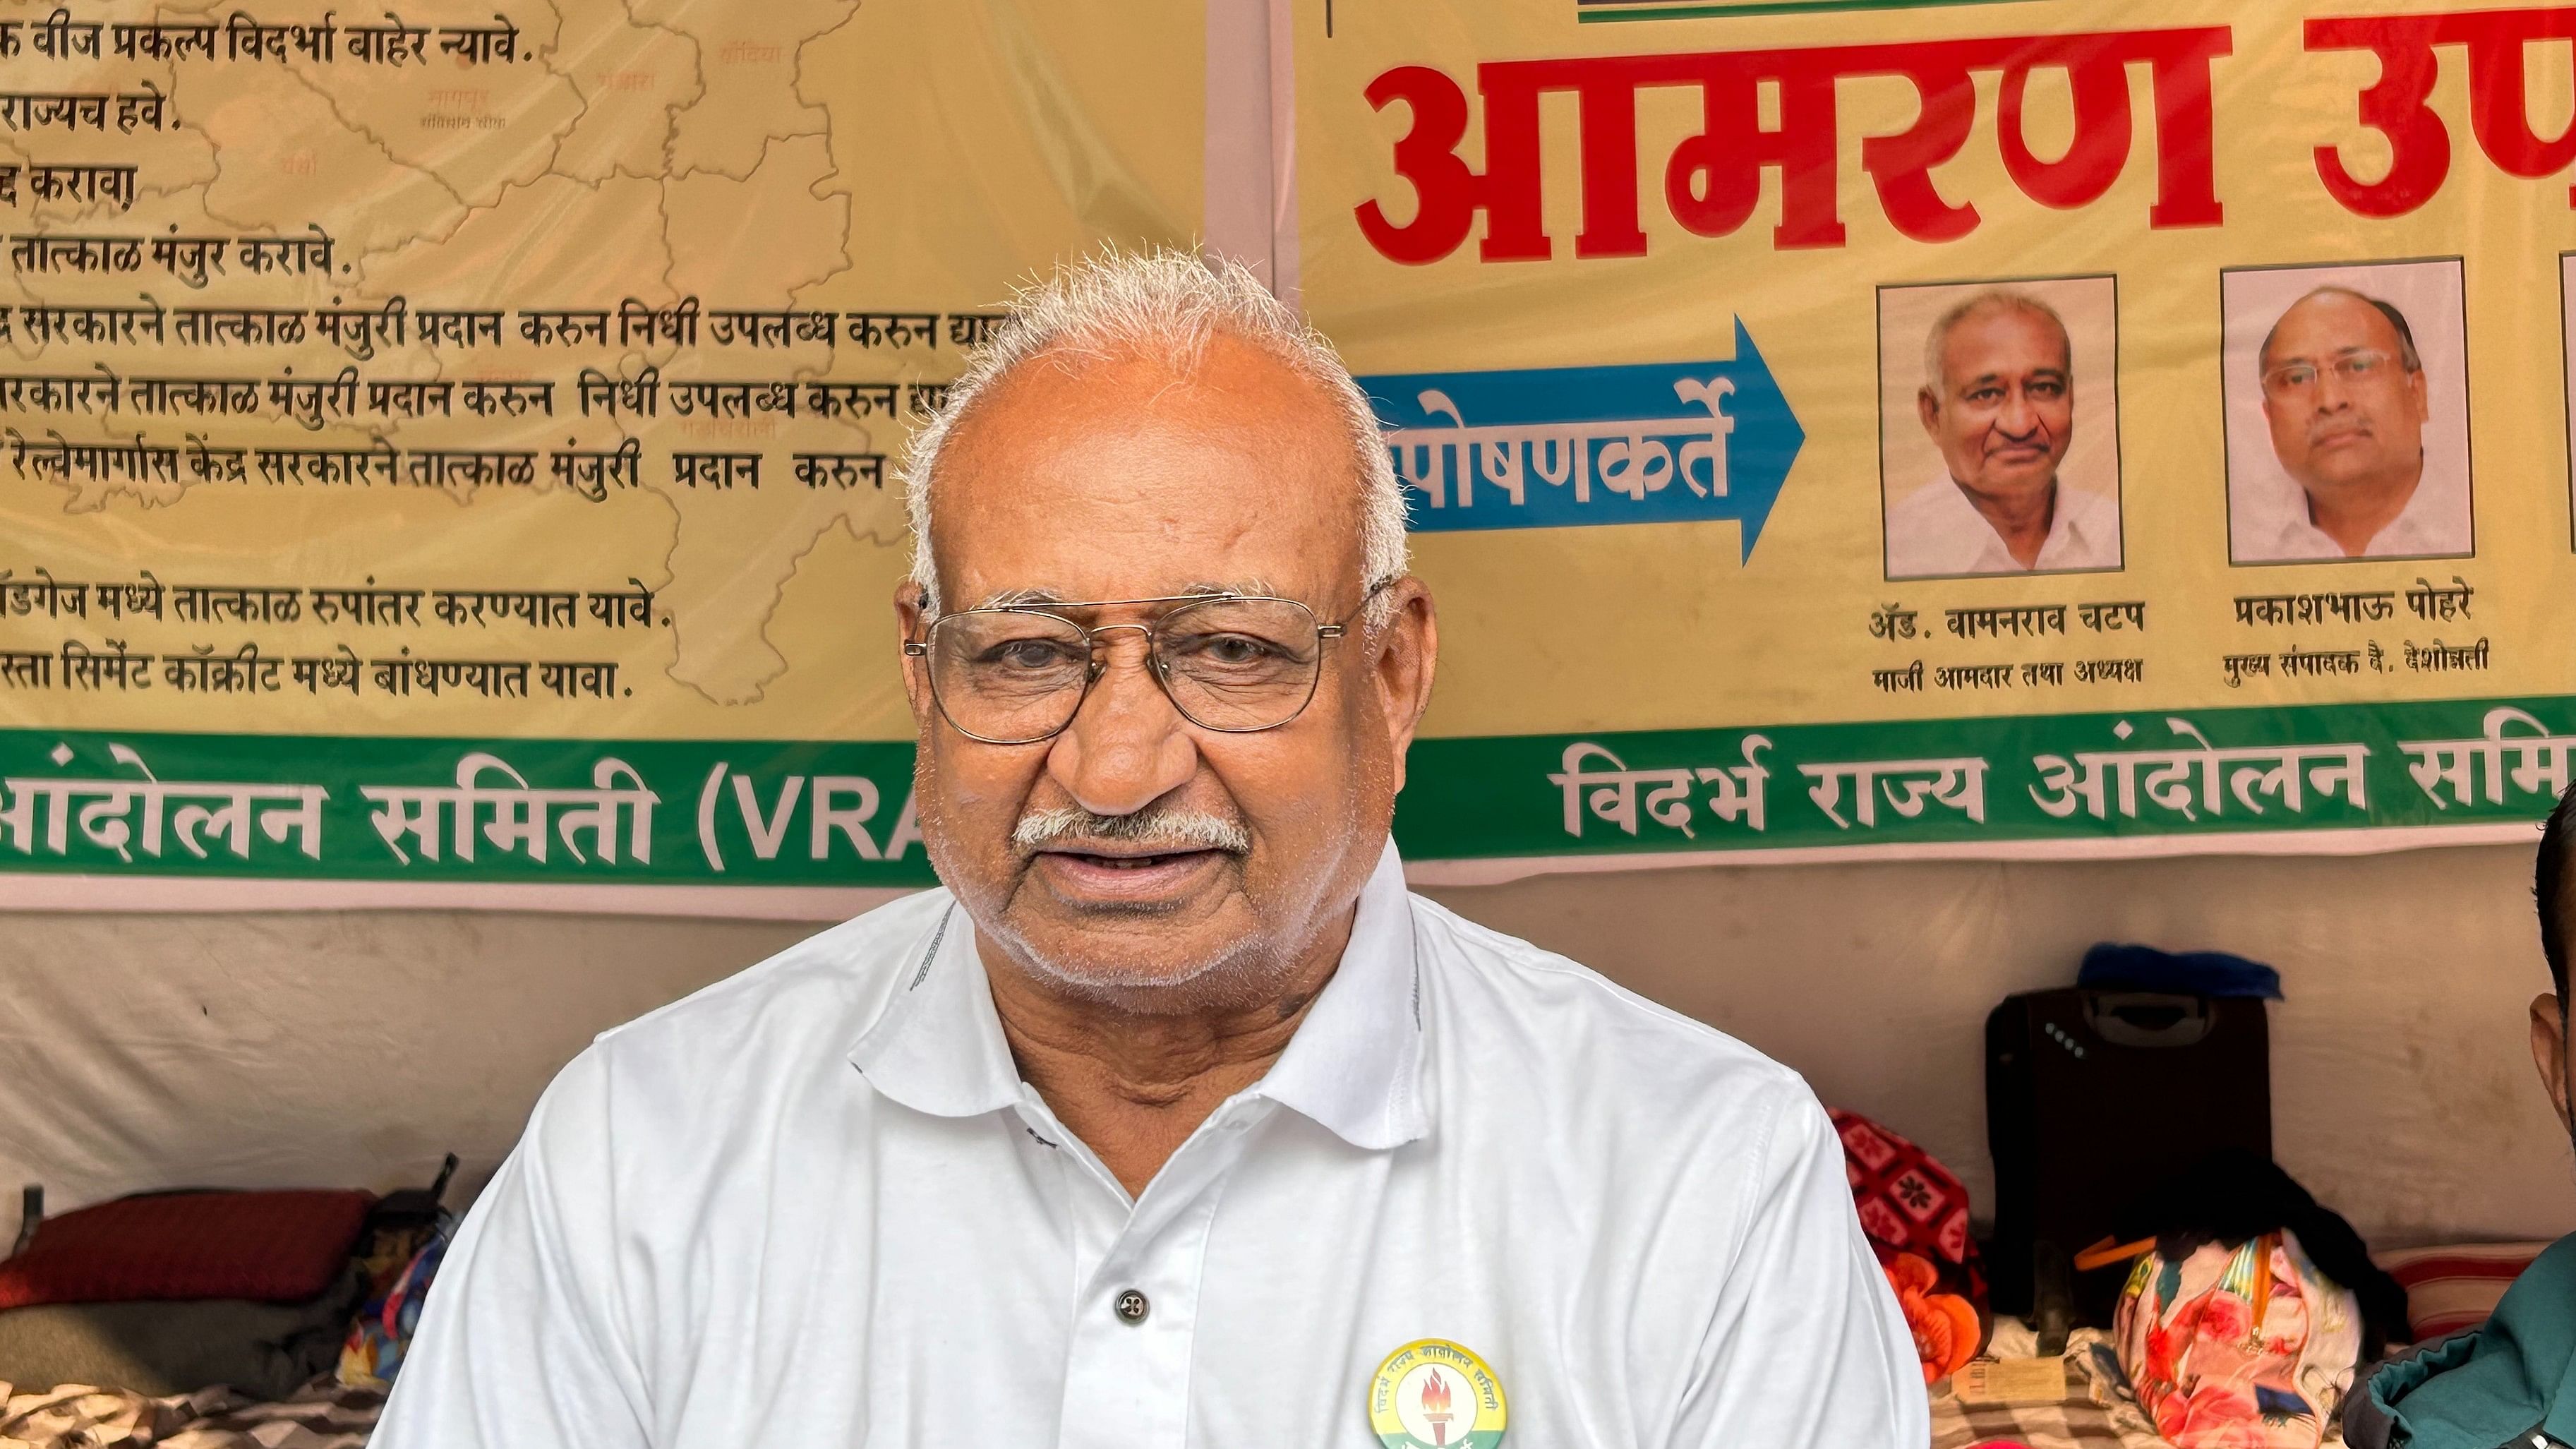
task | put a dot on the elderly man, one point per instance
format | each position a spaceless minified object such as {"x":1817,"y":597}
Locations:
{"x":2509,"y":1383}
{"x":1998,"y":400}
{"x":2345,"y":397}
{"x":1173,"y":1119}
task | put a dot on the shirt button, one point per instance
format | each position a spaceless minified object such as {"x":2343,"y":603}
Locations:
{"x":1132,"y":1306}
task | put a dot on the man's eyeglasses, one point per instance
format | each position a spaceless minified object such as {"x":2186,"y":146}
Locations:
{"x":1234,"y":663}
{"x":2297,"y":379}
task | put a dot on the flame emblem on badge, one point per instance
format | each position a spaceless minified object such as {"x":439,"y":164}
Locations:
{"x":1436,"y":1394}
{"x":1435,"y":1406}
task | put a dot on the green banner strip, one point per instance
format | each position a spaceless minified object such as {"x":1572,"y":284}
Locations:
{"x":712,"y":813}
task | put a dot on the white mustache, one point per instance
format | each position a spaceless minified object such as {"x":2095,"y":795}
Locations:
{"x":1173,"y":829}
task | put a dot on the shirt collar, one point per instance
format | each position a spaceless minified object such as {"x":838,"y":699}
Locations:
{"x":1354,"y":1065}
{"x":2423,"y":526}
{"x":2079,"y":516}
{"x":2418,"y":526}
{"x":1961,"y":531}
{"x":938,"y":1047}
{"x":1979,"y":549}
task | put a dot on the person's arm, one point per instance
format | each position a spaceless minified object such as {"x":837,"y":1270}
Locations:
{"x":525,"y":1339}
{"x":1806,"y":1348}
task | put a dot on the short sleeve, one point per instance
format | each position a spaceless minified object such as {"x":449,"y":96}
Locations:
{"x":1806,"y":1348}
{"x":524,"y":1340}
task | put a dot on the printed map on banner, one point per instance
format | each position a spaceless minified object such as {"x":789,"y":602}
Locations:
{"x":454,"y":450}
{"x":1962,"y":429}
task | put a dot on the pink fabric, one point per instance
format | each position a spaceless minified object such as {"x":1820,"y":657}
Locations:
{"x":2243,"y":1348}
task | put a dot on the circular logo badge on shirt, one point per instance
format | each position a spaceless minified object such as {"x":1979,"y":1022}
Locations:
{"x":1433,"y":1394}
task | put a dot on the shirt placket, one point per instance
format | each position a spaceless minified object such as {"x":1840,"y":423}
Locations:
{"x":1136,"y":1282}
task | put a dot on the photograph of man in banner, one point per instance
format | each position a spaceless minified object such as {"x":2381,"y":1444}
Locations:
{"x":1981,"y":468}
{"x":2347,"y":413}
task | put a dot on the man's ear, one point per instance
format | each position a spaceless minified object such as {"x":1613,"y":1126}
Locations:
{"x":1928,"y":408}
{"x":911,"y":625}
{"x":1405,"y":655}
{"x":2549,"y":1051}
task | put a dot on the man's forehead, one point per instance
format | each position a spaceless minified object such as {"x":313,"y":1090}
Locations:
{"x":2027,"y":340}
{"x":1223,"y":381}
{"x":2332,"y":321}
{"x":1129,"y":478}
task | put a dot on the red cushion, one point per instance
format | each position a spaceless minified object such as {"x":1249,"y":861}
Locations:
{"x":274,"y":1247}
{"x":2455,"y":1287}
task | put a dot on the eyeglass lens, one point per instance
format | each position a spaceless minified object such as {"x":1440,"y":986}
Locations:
{"x":2300,"y":376}
{"x":1019,"y":675}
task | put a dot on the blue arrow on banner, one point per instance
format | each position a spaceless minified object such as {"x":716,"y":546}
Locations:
{"x":1570,"y":447}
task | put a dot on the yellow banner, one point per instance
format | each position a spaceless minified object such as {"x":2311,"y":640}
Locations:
{"x":527,"y":387}
{"x":413,"y":329}
{"x":452,"y":452}
{"x":2077,"y":417}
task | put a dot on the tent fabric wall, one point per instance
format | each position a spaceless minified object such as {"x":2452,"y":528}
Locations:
{"x":149,"y":1051}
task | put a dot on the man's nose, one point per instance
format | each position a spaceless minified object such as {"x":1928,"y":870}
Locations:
{"x":1127,"y":747}
{"x":2331,"y":390}
{"x":2018,"y":419}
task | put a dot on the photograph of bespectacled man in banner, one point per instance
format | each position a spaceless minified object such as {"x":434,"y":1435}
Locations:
{"x":2347,"y":397}
{"x":1999,"y":427}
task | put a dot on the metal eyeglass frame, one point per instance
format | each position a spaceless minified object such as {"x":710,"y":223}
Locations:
{"x":1324,"y":634}
{"x":2334,"y":365}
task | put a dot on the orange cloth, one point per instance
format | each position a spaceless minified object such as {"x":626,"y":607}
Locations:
{"x":1944,"y":1324}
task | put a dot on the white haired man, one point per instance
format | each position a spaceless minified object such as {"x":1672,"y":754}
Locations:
{"x":1172,"y":1119}
{"x":1998,"y":400}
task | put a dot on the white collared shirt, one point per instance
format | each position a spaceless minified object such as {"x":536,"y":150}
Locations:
{"x":815,"y":1204}
{"x":1935,"y":532}
{"x":2273,"y":525}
